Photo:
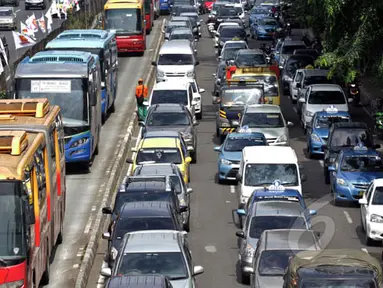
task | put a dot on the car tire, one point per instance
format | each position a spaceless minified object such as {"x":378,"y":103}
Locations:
{"x":335,"y":201}
{"x":199,"y":115}
{"x":368,"y":240}
{"x":222,"y":138}
{"x":311,"y":156}
{"x":243,"y":279}
{"x":194,"y":157}
{"x":187,"y":226}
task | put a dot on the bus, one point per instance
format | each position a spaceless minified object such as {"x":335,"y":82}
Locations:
{"x":103,"y":44}
{"x":149,"y":15}
{"x":72,"y":81}
{"x":164,"y":7}
{"x":26,"y":176}
{"x":126,"y":18}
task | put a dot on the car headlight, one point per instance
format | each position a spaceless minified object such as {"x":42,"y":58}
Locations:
{"x":102,"y":84}
{"x":114,"y":253}
{"x":225,"y":162}
{"x":341,"y":182}
{"x":249,"y":251}
{"x":376,"y":218}
{"x":190,"y":74}
{"x":79,"y":142}
{"x":309,"y":114}
{"x":160,"y":74}
{"x":15,"y":284}
{"x":221,"y":43}
{"x":282,"y":138}
{"x":235,"y":123}
{"x":182,"y":202}
{"x":315,"y":138}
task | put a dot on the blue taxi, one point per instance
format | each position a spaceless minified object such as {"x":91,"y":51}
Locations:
{"x":352,"y":172}
{"x":258,"y":12}
{"x":319,"y":127}
{"x":264,"y":28}
{"x":231,"y":153}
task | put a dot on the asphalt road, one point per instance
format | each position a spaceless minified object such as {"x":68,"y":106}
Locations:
{"x":212,"y":237}
{"x":22,"y":15}
{"x":82,"y":189}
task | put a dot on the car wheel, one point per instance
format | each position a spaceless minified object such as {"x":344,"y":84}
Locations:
{"x":221,"y":138}
{"x":362,"y":224}
{"x":309,"y":152}
{"x":187,"y":226}
{"x":194,"y":157}
{"x":369,"y":241}
{"x":335,"y":201}
{"x":199,"y":116}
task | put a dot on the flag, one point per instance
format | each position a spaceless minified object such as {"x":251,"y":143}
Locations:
{"x":64,"y":9}
{"x":77,"y":6}
{"x":22,"y":41}
{"x":49,"y":20}
{"x":25,"y":30}
{"x":3,"y":51}
{"x":53,"y":9}
{"x":32,"y":23}
{"x":41,"y":22}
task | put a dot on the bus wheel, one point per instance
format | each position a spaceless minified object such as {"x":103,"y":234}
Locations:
{"x":45,"y":277}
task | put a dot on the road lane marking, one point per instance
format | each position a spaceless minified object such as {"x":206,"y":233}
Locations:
{"x":232,"y":189}
{"x":364,"y":250}
{"x":76,"y":266}
{"x":321,"y":163}
{"x":18,"y":10}
{"x":348,"y":217}
{"x":211,"y":249}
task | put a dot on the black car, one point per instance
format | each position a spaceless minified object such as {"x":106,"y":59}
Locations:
{"x":219,"y":76}
{"x":310,"y":52}
{"x":228,"y":33}
{"x":344,"y":135}
{"x":291,"y":66}
{"x":138,"y":216}
{"x":183,"y":8}
{"x":224,"y":13}
{"x":139,"y":281}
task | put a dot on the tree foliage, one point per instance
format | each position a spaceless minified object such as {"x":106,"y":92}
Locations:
{"x":352,"y":33}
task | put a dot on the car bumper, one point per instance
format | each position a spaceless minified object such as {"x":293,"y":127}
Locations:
{"x":375,"y":230}
{"x":347,"y":193}
{"x":7,"y":25}
{"x":227,"y":172}
{"x":246,"y":264}
{"x":130,"y":45}
{"x":40,"y":4}
{"x":316,"y":148}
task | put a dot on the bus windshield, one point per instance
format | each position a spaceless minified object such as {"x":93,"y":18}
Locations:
{"x":69,"y":94}
{"x":12,"y":242}
{"x":124,"y":21}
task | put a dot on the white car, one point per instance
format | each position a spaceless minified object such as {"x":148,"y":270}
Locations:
{"x":216,"y":35}
{"x":197,"y":98}
{"x":371,"y":211}
{"x":319,"y":97}
{"x":240,"y":44}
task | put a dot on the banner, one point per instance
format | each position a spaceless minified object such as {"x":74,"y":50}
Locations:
{"x":22,"y":41}
{"x":49,"y":20}
{"x":32,"y":23}
{"x":41,"y":22}
{"x":25,"y":30}
{"x":3,"y":51}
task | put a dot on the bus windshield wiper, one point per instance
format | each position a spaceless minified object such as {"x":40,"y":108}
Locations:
{"x":3,"y":262}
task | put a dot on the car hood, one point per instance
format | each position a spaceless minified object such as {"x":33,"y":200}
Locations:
{"x":270,"y":281}
{"x":232,"y":156}
{"x":321,"y":107}
{"x":362,"y":177}
{"x":270,"y":132}
{"x":175,"y":68}
{"x":184,"y":283}
{"x":182,"y":129}
{"x":321,"y":132}
{"x":268,"y":27}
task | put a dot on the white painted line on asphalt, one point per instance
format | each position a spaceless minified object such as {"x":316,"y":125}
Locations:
{"x":321,"y":163}
{"x":364,"y":250}
{"x":227,"y":201}
{"x":134,"y":153}
{"x":18,"y":10}
{"x":348,"y":217}
{"x":295,"y":109}
{"x":232,"y":189}
{"x":94,"y":208}
{"x":88,"y":225}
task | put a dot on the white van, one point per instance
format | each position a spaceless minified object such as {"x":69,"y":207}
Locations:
{"x":176,"y":59}
{"x":261,"y":166}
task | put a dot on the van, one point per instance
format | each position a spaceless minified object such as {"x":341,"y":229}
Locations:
{"x":176,"y":60}
{"x":262,"y":166}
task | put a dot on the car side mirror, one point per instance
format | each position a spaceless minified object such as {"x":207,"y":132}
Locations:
{"x":201,"y":90}
{"x":302,"y":100}
{"x":240,"y":234}
{"x":303,"y":178}
{"x":194,"y":103}
{"x":197,"y":270}
{"x":106,"y":272}
{"x":217,"y":148}
{"x":195,"y":123}
{"x":154,"y":63}
{"x":214,"y":75}
{"x":298,"y":85}
{"x":106,"y":236}
{"x":363,"y":201}
{"x":238,"y":177}
{"x":350,"y":100}
{"x":189,"y":190}
{"x":188,"y":160}
{"x":219,"y":57}
{"x":290,"y":124}
{"x":107,"y":210}
{"x":216,"y":33}
{"x":331,"y":168}
{"x":145,"y":103}
{"x":313,"y":212}
{"x":241,"y":212}
{"x":141,"y":123}
{"x":196,"y":63}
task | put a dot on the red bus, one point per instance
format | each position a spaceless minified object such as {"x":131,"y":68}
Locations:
{"x":149,"y":15}
{"x":32,"y":190}
{"x":127,"y":19}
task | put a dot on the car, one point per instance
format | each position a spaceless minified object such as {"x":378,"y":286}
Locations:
{"x":228,"y":55}
{"x":139,"y":281}
{"x":341,"y":136}
{"x":263,"y":216}
{"x":219,"y":29}
{"x":223,"y":13}
{"x":319,"y":127}
{"x":173,"y":91}
{"x":235,"y":19}
{"x":156,"y":252}
{"x":250,"y":58}
{"x":193,"y":23}
{"x":7,"y":18}
{"x":240,"y":11}
{"x":228,"y":33}
{"x":273,"y":252}
{"x":197,"y":98}
{"x":292,"y":64}
{"x":183,"y":34}
{"x":162,"y":150}
{"x":177,"y":10}
{"x":371,"y":212}
{"x":352,"y":172}
{"x":139,"y":216}
{"x":219,"y":76}
{"x":41,"y":4}
{"x":234,"y":44}
{"x":174,"y":117}
{"x":286,"y":49}
{"x":257,"y":13}
{"x":264,"y":28}
{"x":322,"y":96}
{"x":196,"y":22}
{"x":174,"y":174}
{"x":230,"y":153}
{"x":311,"y":52}
{"x":171,"y":25}
{"x":267,"y":119}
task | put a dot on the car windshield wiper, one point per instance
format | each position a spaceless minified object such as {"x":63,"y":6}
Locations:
{"x":177,"y":278}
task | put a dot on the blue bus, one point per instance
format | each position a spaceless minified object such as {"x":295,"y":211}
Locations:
{"x":71,"y":80}
{"x":103,"y":44}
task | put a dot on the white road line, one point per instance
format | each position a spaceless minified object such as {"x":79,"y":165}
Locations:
{"x":18,"y":10}
{"x":348,"y":217}
{"x":364,"y":250}
{"x":321,"y":163}
{"x":232,"y":189}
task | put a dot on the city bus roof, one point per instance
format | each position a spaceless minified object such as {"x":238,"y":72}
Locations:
{"x":118,"y":4}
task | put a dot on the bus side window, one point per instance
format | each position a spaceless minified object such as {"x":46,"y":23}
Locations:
{"x":40,"y":175}
{"x":27,"y":182}
{"x":51,"y":139}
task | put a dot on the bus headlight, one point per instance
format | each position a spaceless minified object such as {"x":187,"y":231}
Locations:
{"x":15,"y":284}
{"x":79,"y":142}
{"x":190,"y":74}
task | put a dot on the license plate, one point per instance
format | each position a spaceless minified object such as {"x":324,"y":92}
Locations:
{"x":361,"y":192}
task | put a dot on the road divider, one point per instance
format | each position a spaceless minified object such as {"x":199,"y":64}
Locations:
{"x":114,"y":174}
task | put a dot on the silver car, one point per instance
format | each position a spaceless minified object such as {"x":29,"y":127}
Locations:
{"x":171,"y":25}
{"x":7,"y":18}
{"x":184,"y":34}
{"x":164,"y":252}
{"x":267,"y":119}
{"x":273,"y":251}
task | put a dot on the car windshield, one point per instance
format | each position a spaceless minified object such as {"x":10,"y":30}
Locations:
{"x":265,"y":174}
{"x":270,"y":83}
{"x":259,"y":12}
{"x":124,"y":21}
{"x":275,"y":262}
{"x":168,"y":119}
{"x":150,"y":196}
{"x":226,"y":12}
{"x":181,"y":36}
{"x":229,"y":54}
{"x":289,"y":49}
{"x":165,"y":155}
{"x":349,"y":138}
{"x":377,"y":199}
{"x":326,"y":121}
{"x":237,"y":144}
{"x":329,"y":283}
{"x":263,"y":120}
{"x":241,"y":97}
{"x":250,"y":59}
{"x":231,"y":32}
{"x":317,"y":80}
{"x":326,"y":98}
{"x":294,"y":64}
{"x":170,"y":264}
{"x":267,"y":22}
{"x":169,"y":96}
{"x":262,"y":223}
{"x":124,"y":226}
{"x":175,"y":59}
{"x":6,"y":13}
{"x":362,"y":164}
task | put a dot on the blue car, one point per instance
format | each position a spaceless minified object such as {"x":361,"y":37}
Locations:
{"x":231,"y":153}
{"x":318,"y":130}
{"x":258,"y":13}
{"x":352,"y":172}
{"x":264,"y":28}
